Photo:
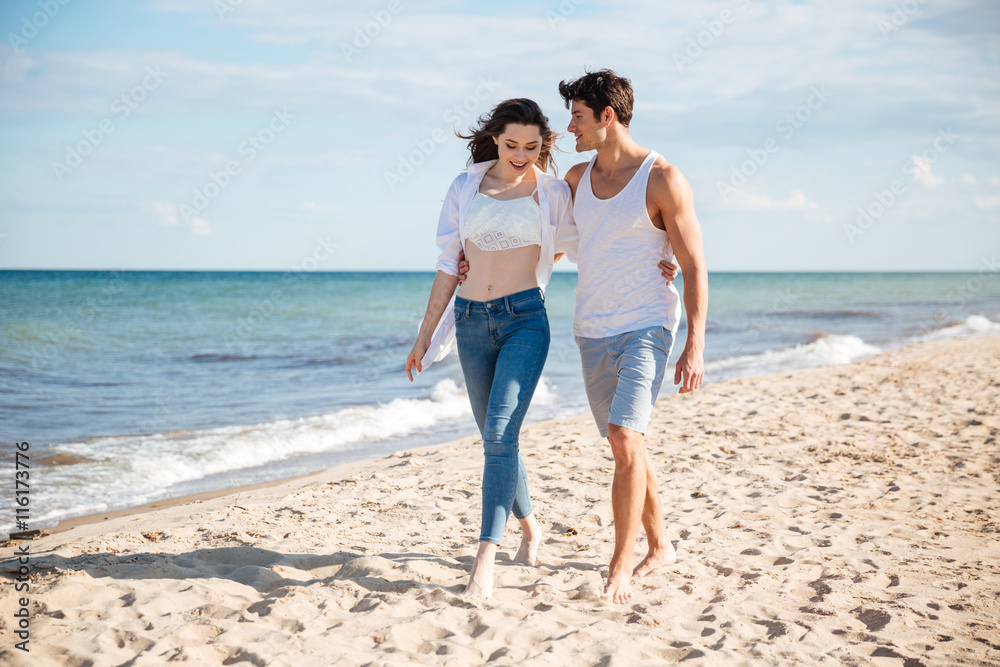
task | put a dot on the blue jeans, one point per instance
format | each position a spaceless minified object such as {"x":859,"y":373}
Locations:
{"x":502,"y":345}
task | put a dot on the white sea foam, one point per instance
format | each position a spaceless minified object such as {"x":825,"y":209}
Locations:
{"x":131,"y":470}
{"x":545,"y":392}
{"x":974,"y":325}
{"x":825,"y":351}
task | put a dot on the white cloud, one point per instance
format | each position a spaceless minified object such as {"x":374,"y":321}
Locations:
{"x":200,"y":226}
{"x":170,"y":216}
{"x":987,"y":203}
{"x":14,"y":64}
{"x":359,"y":116}
{"x":797,"y":201}
{"x":318,"y":208}
{"x":166,"y":212}
{"x":925,"y":173}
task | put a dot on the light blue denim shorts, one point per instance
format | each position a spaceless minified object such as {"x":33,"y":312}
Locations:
{"x":623,"y":375}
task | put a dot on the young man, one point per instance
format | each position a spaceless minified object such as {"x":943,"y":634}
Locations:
{"x":632,"y":209}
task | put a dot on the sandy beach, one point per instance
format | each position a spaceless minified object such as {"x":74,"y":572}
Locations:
{"x":844,"y":515}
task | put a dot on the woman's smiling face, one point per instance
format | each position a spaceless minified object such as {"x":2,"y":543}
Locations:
{"x":519,"y":147}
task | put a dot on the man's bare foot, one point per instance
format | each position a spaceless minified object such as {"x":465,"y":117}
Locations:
{"x":481,"y":577}
{"x":664,"y":555}
{"x":531,"y":537}
{"x":618,"y":588}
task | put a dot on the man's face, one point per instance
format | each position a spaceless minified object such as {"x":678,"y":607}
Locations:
{"x":590,"y":132}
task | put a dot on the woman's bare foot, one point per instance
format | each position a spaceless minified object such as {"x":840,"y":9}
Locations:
{"x":658,"y":557}
{"x":481,"y":577}
{"x":531,"y":537}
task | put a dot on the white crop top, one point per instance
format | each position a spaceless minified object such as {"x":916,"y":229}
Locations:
{"x":502,"y":224}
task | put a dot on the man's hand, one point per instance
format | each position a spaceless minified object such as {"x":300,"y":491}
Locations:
{"x":667,"y":269}
{"x":690,"y":370}
{"x":463,"y":267}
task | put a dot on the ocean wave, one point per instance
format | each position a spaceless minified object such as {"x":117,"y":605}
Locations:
{"x":822,"y":350}
{"x":826,"y":349}
{"x":103,"y":473}
{"x":973,"y":326}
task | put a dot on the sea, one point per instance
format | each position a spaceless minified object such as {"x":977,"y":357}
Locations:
{"x":137,"y":386}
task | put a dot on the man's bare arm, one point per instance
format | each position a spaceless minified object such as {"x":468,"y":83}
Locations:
{"x":574,"y":175}
{"x":675,"y":201}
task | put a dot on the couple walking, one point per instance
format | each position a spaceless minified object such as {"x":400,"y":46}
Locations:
{"x":623,"y":218}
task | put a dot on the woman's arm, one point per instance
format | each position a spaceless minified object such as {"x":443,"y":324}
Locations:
{"x":441,"y":291}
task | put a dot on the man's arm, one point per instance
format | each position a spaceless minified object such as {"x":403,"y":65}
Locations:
{"x":675,"y":201}
{"x":574,"y":175}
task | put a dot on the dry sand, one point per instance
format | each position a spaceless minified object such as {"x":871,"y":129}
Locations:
{"x":845,"y":515}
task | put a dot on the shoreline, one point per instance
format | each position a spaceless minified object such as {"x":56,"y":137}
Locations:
{"x":833,"y":515}
{"x":63,"y":525}
{"x":272,"y":488}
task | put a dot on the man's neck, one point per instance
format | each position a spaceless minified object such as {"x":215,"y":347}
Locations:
{"x":618,"y":151}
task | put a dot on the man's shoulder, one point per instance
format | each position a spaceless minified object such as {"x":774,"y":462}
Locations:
{"x":575,"y":172}
{"x":574,"y":175}
{"x":666,"y":177}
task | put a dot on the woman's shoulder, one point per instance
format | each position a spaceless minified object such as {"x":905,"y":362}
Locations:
{"x":458,"y":182}
{"x":553,"y":186}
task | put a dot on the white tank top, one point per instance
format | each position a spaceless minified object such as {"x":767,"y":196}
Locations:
{"x":502,"y":224}
{"x":619,"y":288}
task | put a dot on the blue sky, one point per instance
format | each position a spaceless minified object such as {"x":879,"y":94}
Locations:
{"x":219,"y":134}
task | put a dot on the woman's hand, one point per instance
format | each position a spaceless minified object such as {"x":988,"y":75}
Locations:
{"x":668,"y":270}
{"x":441,"y":292}
{"x":463,"y":268}
{"x":415,"y":357}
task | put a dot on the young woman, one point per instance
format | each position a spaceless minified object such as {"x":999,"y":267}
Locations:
{"x":505,"y":213}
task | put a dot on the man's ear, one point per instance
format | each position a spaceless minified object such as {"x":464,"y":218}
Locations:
{"x":608,"y":115}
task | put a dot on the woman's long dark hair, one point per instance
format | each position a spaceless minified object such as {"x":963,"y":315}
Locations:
{"x":521,"y":111}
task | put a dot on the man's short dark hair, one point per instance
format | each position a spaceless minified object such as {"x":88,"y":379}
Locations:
{"x":599,"y":90}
